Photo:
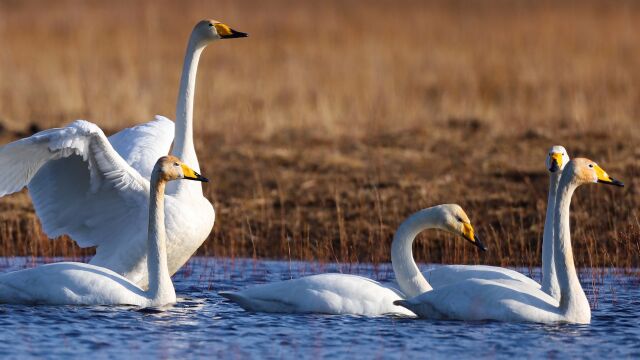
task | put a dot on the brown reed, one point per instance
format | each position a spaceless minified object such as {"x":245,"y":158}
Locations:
{"x":337,"y":119}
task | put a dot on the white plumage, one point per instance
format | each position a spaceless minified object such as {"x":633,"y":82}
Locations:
{"x":449,"y":274}
{"x":86,"y":189}
{"x":350,"y":294}
{"x":95,"y":189}
{"x":557,"y":158}
{"x":69,"y":283}
{"x":514,"y":301}
{"x":324,"y":294}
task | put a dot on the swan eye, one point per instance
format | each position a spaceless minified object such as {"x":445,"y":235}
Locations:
{"x":591,"y":165}
{"x":210,"y":25}
{"x":176,"y":164}
{"x":459,"y":218}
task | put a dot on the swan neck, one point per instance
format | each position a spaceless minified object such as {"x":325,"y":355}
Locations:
{"x":183,"y":146}
{"x":573,"y":300}
{"x":160,"y":285}
{"x":549,"y":275}
{"x":408,"y":276}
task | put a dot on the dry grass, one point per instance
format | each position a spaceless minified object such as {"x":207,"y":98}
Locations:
{"x":336,"y":119}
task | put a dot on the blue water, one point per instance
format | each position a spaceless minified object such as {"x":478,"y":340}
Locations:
{"x":203,"y":324}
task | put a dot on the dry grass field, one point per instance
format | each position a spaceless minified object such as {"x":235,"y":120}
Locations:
{"x":336,"y":119}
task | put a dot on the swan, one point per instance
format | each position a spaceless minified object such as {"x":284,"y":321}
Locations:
{"x":94,"y":188}
{"x":480,"y":299}
{"x":557,"y":158}
{"x":71,"y":283}
{"x":357,"y":295}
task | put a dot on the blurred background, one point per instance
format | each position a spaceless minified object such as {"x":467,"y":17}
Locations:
{"x":336,"y":119}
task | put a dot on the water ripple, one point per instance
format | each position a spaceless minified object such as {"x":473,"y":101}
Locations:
{"x":203,"y":324}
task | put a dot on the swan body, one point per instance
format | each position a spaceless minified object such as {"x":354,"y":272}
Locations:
{"x":449,"y":274}
{"x":96,"y":189}
{"x":557,"y":158}
{"x":479,"y":299}
{"x":69,"y":283}
{"x":323,"y":294}
{"x":350,"y":294}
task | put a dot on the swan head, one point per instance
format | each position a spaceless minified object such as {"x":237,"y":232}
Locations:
{"x":584,"y":171}
{"x":557,"y":158}
{"x":456,"y":221}
{"x":209,"y":30}
{"x":170,"y":168}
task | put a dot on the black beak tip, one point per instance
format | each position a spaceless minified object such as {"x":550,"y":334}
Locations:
{"x":201,"y":178}
{"x":613,"y":182}
{"x":238,"y":34}
{"x":617,"y":183}
{"x":479,"y":243}
{"x":554,"y":167}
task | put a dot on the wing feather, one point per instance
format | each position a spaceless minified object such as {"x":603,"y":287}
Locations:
{"x":141,"y":146}
{"x":79,"y":184}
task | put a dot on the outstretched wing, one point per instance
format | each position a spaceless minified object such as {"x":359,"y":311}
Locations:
{"x":141,"y":146}
{"x":79,"y":184}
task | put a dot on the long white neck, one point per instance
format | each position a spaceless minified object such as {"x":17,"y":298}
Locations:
{"x":549,"y":275}
{"x":183,"y":147}
{"x":408,"y":276}
{"x":573,"y":302}
{"x":161,"y":289}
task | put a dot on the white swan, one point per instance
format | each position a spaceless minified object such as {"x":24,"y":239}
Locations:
{"x":69,"y":283}
{"x":94,"y":189}
{"x":441,"y":276}
{"x":357,"y":295}
{"x":477,"y":299}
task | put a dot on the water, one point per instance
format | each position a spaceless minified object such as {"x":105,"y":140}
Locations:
{"x":203,"y":324}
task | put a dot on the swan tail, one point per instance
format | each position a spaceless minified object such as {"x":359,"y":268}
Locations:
{"x":421,"y":308}
{"x":238,"y":298}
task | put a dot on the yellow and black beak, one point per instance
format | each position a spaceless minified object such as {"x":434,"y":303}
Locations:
{"x":556,"y":162}
{"x":226,"y":32}
{"x":469,"y":235}
{"x":190,"y":174}
{"x":604,"y":178}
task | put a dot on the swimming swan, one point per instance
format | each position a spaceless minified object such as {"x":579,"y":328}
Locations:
{"x":441,"y":276}
{"x":70,"y":283}
{"x":477,"y":299}
{"x":357,"y":295}
{"x":95,"y":189}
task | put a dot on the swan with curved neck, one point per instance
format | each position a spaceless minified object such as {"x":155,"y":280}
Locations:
{"x":446,"y":275}
{"x":477,"y":299}
{"x":446,"y":217}
{"x":357,"y":295}
{"x":68,"y":283}
{"x":95,"y":189}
